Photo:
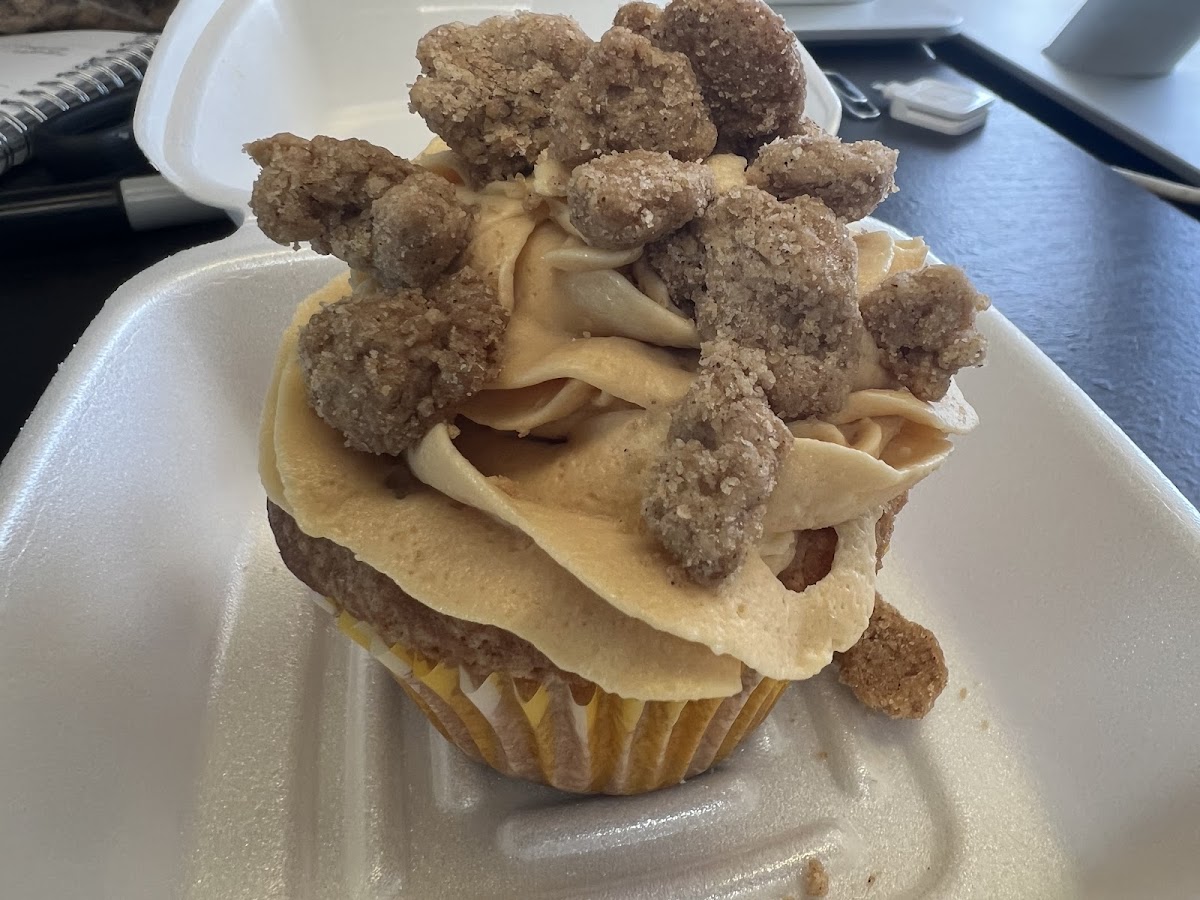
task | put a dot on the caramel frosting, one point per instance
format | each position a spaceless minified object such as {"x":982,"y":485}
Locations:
{"x":526,"y":514}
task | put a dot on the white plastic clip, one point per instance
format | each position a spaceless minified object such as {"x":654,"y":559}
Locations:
{"x":937,"y":105}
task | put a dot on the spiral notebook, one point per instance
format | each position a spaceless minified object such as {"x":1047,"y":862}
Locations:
{"x":42,"y":75}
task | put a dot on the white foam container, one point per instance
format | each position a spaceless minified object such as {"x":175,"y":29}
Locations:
{"x":177,"y":720}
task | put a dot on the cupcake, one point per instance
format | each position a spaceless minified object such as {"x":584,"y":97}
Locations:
{"x":599,"y":442}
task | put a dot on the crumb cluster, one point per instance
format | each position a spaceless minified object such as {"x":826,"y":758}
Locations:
{"x":322,"y":191}
{"x":747,"y":61}
{"x":640,"y":18}
{"x":631,"y":95}
{"x":418,"y":228}
{"x":383,"y":367}
{"x":780,"y":277}
{"x":707,"y":494}
{"x":678,"y":259}
{"x":411,"y":342}
{"x":376,"y":211}
{"x":897,"y":666}
{"x":629,"y":199}
{"x":924,"y":325}
{"x":851,"y":179}
{"x":487,"y":89}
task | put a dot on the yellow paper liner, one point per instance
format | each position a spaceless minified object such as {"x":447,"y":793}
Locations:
{"x":583,"y":740}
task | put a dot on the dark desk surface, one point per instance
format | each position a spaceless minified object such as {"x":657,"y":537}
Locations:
{"x":1103,"y":276}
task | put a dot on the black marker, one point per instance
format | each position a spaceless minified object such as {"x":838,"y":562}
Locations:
{"x":140,"y":203}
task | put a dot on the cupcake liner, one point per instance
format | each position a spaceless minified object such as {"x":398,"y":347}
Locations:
{"x":579,"y":739}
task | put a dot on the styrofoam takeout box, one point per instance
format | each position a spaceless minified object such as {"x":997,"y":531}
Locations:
{"x":177,"y":720}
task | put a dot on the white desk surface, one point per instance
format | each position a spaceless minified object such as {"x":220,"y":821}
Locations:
{"x":1159,"y":116}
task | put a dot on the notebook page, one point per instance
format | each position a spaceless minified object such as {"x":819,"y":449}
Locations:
{"x":26,"y":59}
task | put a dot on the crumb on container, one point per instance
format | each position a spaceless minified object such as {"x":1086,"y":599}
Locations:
{"x":816,"y":879}
{"x":897,"y":666}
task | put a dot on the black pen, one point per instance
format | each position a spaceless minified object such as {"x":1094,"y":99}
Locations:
{"x":139,"y":203}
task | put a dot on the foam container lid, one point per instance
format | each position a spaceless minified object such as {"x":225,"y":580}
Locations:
{"x":180,"y":721}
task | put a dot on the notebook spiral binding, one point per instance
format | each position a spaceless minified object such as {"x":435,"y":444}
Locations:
{"x":97,"y":77}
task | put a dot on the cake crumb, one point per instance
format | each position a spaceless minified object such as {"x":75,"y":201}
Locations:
{"x":822,"y":755}
{"x":962,"y":694}
{"x":871,"y":878}
{"x":984,"y":724}
{"x":812,"y":561}
{"x":816,"y":879}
